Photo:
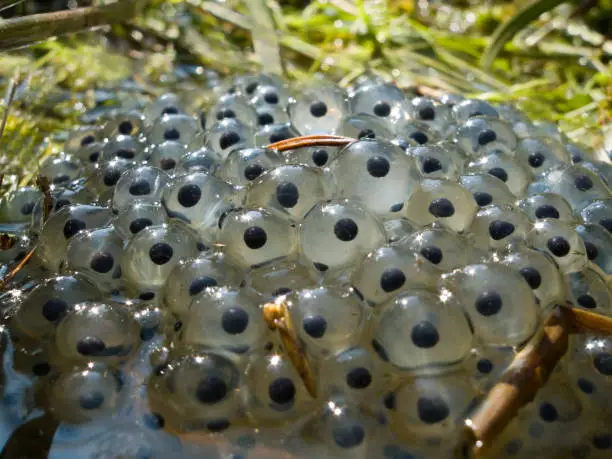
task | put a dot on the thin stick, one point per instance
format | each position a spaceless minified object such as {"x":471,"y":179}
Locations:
{"x":311,"y":141}
{"x":43,"y":185}
{"x":5,"y":281}
{"x":588,"y":322}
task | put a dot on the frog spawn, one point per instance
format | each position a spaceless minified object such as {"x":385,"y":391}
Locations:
{"x":360,"y":243}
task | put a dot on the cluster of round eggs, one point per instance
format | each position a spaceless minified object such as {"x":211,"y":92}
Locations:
{"x":413,"y":263}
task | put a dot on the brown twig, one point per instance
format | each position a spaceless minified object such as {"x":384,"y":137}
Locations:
{"x":7,"y":241}
{"x":311,"y":141}
{"x":5,"y":281}
{"x":42,"y":182}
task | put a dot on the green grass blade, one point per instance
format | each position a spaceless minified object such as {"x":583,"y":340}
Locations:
{"x":507,"y":30}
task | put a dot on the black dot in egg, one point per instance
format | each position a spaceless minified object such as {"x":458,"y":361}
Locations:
{"x":548,"y":412}
{"x":287,"y":194}
{"x":111,"y":177}
{"x":90,"y":346}
{"x":547,"y":211}
{"x":606,"y":223}
{"x":513,"y":447}
{"x":348,"y":435}
{"x":147,"y":333}
{"x":488,"y":303}
{"x":73,"y":226}
{"x":61,"y":203}
{"x":225,"y":113}
{"x":484,"y":366}
{"x":378,"y":166}
{"x":432,"y":410}
{"x":251,"y":87}
{"x":91,"y":401}
{"x":346,"y":229}
{"x":392,"y":279}
{"x":170,"y":111}
{"x":263,"y":119}
{"x":441,"y":208}
{"x":499,"y":172}
{"x":102,"y":262}
{"x":320,"y":157}
{"x":281,"y":391}
{"x":389,"y":401}
{"x":321,"y":267}
{"x":211,"y":389}
{"x":161,"y":253}
{"x":424,"y":335}
{"x":432,"y":253}
{"x":586,"y":386}
{"x":154,"y":421}
{"x":430,"y":164}
{"x":583,"y":182}
{"x":255,"y":237}
{"x":218,"y":425}
{"x":602,"y":441}
{"x":279,"y":136}
{"x":419,"y":137}
{"x":586,"y":301}
{"x":41,"y":369}
{"x":125,"y":127}
{"x":382,"y":109}
{"x":315,"y":326}
{"x":482,"y":198}
{"x":167,"y":164}
{"x":200,"y":283}
{"x":54,"y":308}
{"x":499,"y":229}
{"x":603,"y":363}
{"x":397,"y":207}
{"x":27,"y":208}
{"x":87,"y":140}
{"x":234,"y":320}
{"x":125,"y":153}
{"x":228,"y":139}
{"x":558,"y":246}
{"x":318,"y":109}
{"x":532,"y":276}
{"x":140,"y":187}
{"x":139,"y":224}
{"x":536,"y":159}
{"x":591,"y":250}
{"x":271,"y":98}
{"x":281,"y":291}
{"x":189,"y":195}
{"x":427,"y":113}
{"x":59,"y":179}
{"x":487,"y":136}
{"x":252,"y":171}
{"x":178,"y":325}
{"x":359,"y":378}
{"x":93,"y":158}
{"x":172,"y":134}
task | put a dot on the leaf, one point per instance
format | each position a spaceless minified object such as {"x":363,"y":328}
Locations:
{"x":507,"y":30}
{"x":265,"y":39}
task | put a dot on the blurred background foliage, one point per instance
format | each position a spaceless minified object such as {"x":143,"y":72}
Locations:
{"x":551,"y":58}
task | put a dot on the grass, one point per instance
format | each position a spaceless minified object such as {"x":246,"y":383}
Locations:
{"x":555,"y":67}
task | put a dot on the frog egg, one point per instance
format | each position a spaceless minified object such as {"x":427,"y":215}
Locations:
{"x":383,"y":100}
{"x":196,"y":390}
{"x":470,"y":108}
{"x":426,"y":111}
{"x":540,"y":154}
{"x":603,"y":170}
{"x":96,"y":255}
{"x":82,"y":136}
{"x":200,"y":160}
{"x":232,"y":106}
{"x":389,"y":269}
{"x":105,"y":178}
{"x":201,"y":201}
{"x":18,"y":206}
{"x":61,"y":170}
{"x":65,"y":224}
{"x":166,"y":155}
{"x":272,"y":114}
{"x":579,"y":186}
{"x":245,"y":165}
{"x":272,"y":133}
{"x":435,"y":161}
{"x":487,"y":189}
{"x":60,"y":198}
{"x":193,"y":275}
{"x":510,"y":113}
{"x":442,"y":201}
{"x":89,"y":155}
{"x":590,"y":290}
{"x":137,"y":216}
{"x":364,"y":126}
{"x":598,"y":244}
{"x":312,"y":156}
{"x":450,"y":99}
{"x":577,"y":153}
{"x":416,"y":331}
{"x":540,"y":271}
{"x":227,"y":135}
{"x":547,"y":205}
{"x":97,"y":332}
{"x":336,"y":234}
{"x":398,"y":228}
{"x":16,"y":250}
{"x":145,"y":184}
{"x":267,"y":95}
{"x":51,"y":301}
{"x":434,"y":407}
{"x":318,"y":110}
{"x":507,"y":169}
{"x":411,"y":133}
{"x":225,"y":318}
{"x":275,"y":393}
{"x":151,"y":255}
{"x":377,"y":172}
{"x":441,"y":247}
{"x":487,"y":365}
{"x":495,"y":226}
{"x":480,"y":136}
{"x":328,"y":319}
{"x":278,"y":277}
{"x":599,"y":211}
{"x":290,"y":191}
{"x":129,"y":122}
{"x":124,"y":147}
{"x":166,"y":104}
{"x":178,"y":128}
{"x":561,"y":241}
{"x":498,"y":301}
{"x":84,"y":394}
